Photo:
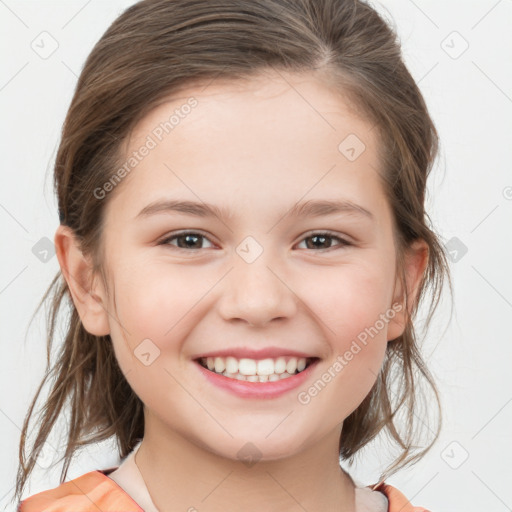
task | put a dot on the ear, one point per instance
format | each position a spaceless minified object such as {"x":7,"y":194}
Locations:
{"x":416,"y":260}
{"x":89,"y":298}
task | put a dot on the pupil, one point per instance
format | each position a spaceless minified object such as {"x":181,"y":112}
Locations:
{"x":189,"y":238}
{"x":317,"y":237}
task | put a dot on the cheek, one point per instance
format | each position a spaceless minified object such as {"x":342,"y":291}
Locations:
{"x":351,"y":303}
{"x":151,"y":299}
{"x":350,"y":299}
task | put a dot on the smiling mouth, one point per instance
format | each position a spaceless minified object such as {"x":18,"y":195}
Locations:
{"x":250,"y":370}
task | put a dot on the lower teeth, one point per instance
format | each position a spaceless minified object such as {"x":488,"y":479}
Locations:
{"x":257,"y":378}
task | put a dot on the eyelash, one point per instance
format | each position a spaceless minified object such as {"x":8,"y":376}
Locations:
{"x":343,"y":242}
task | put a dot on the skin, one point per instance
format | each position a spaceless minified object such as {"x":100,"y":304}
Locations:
{"x":256,"y":147}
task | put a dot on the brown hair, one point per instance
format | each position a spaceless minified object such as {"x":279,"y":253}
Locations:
{"x":159,"y":46}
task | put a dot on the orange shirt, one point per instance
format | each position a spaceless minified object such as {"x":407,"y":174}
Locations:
{"x":95,"y":491}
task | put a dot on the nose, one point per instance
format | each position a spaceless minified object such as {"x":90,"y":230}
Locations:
{"x":255,"y":293}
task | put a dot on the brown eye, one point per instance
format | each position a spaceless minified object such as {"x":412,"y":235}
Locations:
{"x":323,"y":241}
{"x":185,"y":240}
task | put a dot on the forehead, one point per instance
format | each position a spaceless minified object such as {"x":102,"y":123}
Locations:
{"x":292,"y":102}
{"x":265,"y":137}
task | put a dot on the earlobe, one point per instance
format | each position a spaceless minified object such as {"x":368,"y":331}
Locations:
{"x":87,"y":292}
{"x":416,"y":260}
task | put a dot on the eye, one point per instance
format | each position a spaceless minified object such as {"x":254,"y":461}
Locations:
{"x":192,"y":240}
{"x":322,"y":238}
{"x":185,"y":240}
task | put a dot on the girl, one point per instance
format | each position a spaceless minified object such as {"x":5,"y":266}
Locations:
{"x":244,"y":245}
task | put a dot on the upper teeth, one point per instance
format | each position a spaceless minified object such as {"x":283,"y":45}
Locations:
{"x":269,"y":366}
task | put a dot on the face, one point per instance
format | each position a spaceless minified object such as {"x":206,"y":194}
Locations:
{"x":262,"y":278}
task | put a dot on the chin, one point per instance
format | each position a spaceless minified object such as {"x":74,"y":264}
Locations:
{"x":255,"y":447}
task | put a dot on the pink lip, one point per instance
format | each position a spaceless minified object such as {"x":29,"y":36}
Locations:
{"x":266,"y":390}
{"x":240,"y":353}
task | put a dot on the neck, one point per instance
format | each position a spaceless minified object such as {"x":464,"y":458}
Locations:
{"x":182,"y":476}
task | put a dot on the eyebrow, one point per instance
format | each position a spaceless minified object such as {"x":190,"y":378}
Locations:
{"x":311,"y":208}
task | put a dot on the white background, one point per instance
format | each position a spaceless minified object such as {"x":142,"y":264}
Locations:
{"x":470,"y":192}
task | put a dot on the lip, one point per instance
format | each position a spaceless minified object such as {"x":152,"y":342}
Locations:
{"x":260,"y":390}
{"x":247,"y":353}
